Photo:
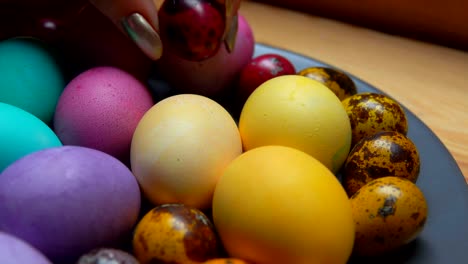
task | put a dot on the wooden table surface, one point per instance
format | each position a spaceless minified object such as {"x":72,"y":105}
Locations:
{"x":430,"y":80}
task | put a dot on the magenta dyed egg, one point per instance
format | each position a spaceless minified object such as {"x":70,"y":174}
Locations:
{"x":66,"y":201}
{"x":100,"y":109}
{"x":214,"y":75}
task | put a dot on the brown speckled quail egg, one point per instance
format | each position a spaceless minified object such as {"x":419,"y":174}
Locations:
{"x":370,"y":113}
{"x":175,"y":233}
{"x":340,"y":83}
{"x":386,"y":153}
{"x":388,"y":213}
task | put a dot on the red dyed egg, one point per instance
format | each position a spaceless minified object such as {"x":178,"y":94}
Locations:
{"x":193,"y":30}
{"x":261,"y":69}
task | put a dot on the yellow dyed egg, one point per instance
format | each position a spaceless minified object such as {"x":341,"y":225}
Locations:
{"x":340,"y":83}
{"x":383,"y":154}
{"x":175,"y":233}
{"x":276,"y":204}
{"x":388,"y":212}
{"x":370,"y":113}
{"x":298,"y":112}
{"x":180,"y":148}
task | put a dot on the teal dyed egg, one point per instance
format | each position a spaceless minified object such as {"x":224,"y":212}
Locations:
{"x":30,"y":77}
{"x":22,"y":133}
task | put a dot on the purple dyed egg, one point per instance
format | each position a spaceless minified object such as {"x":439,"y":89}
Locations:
{"x":16,"y":251}
{"x":100,"y":109}
{"x":65,"y":201}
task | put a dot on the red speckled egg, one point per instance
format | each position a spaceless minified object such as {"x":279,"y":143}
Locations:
{"x":260,"y":70}
{"x":100,"y":109}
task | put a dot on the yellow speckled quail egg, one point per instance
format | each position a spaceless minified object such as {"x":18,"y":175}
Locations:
{"x":370,"y":113}
{"x":388,"y":213}
{"x":340,"y":83}
{"x":175,"y":233}
{"x":386,"y":153}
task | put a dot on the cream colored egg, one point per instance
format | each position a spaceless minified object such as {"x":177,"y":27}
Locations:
{"x":180,"y":148}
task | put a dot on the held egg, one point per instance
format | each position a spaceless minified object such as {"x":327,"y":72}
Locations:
{"x":340,"y":83}
{"x":100,"y":109}
{"x":66,"y":201}
{"x":388,"y":212}
{"x":298,"y":112}
{"x":22,"y":133}
{"x":383,"y":154}
{"x":212,"y":76}
{"x":370,"y":113}
{"x":192,"y":30}
{"x":175,"y":233}
{"x":180,"y":148}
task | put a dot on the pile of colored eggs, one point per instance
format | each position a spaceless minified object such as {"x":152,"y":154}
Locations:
{"x":187,"y":165}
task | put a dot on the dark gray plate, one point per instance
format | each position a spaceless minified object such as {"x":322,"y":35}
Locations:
{"x":445,"y":236}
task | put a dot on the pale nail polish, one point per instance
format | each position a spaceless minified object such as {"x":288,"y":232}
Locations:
{"x":143,"y":34}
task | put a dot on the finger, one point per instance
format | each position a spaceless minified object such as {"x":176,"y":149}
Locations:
{"x":138,"y":19}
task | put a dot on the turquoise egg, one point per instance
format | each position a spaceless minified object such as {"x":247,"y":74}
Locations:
{"x":22,"y":133}
{"x":30,"y":76}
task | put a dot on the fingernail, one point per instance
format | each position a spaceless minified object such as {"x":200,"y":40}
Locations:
{"x":143,"y":34}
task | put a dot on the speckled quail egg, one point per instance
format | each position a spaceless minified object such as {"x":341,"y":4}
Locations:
{"x":388,"y":213}
{"x":370,"y":113}
{"x":386,"y":153}
{"x":340,"y":83}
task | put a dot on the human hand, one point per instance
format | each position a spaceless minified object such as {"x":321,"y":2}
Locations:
{"x":138,"y":19}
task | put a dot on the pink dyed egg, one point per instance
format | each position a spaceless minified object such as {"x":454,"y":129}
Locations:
{"x":212,"y":76}
{"x":100,"y":109}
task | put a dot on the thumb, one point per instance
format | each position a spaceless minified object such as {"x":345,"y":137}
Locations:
{"x":138,"y":19}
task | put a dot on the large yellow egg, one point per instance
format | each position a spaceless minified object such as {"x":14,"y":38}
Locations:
{"x":276,"y":204}
{"x":180,"y":148}
{"x":298,"y":112}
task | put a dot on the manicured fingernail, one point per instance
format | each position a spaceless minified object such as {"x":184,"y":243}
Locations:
{"x":143,"y":34}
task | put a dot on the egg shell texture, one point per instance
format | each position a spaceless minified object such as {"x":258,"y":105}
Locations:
{"x":100,"y":109}
{"x":386,"y":153}
{"x":298,"y":112}
{"x":389,"y":212}
{"x":22,"y":133}
{"x":174,"y":233}
{"x":16,"y":251}
{"x":68,"y":200}
{"x":181,"y":147}
{"x":276,"y":204}
{"x":370,"y":113}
